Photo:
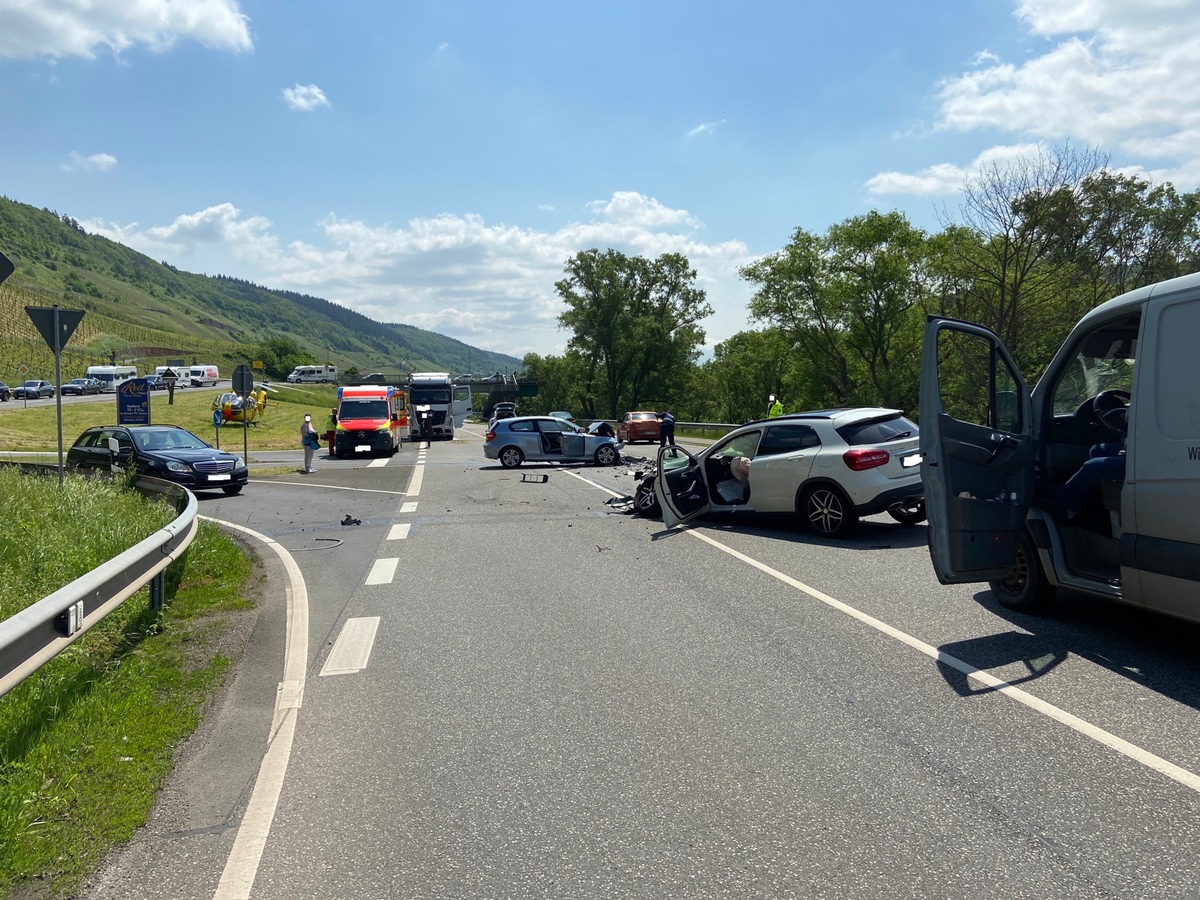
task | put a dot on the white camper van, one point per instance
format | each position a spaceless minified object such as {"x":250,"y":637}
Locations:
{"x":313,"y":375}
{"x":993,"y":462}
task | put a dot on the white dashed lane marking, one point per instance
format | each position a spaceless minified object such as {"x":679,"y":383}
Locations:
{"x":383,"y":571}
{"x":352,"y":649}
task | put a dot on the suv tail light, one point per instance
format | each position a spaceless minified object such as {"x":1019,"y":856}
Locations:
{"x":861,"y":460}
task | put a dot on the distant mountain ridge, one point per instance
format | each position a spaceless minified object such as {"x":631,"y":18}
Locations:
{"x":143,"y":310}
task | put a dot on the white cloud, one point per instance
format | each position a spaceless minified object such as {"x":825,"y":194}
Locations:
{"x":305,"y":97}
{"x":1117,"y":75}
{"x":96,"y":162}
{"x":489,"y":285}
{"x":58,"y":28}
{"x":944,"y":178}
{"x":631,"y":208}
{"x":705,"y":128}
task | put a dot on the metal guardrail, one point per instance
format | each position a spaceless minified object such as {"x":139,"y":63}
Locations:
{"x":40,"y":632}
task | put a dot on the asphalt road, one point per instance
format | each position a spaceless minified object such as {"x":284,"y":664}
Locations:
{"x":498,"y":686}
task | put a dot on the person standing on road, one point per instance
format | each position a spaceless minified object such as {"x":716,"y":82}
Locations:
{"x":666,"y":431}
{"x":775,"y":409}
{"x":310,"y":442}
{"x":330,"y":429}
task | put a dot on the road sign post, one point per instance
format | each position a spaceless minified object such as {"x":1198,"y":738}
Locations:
{"x":56,"y":326}
{"x":243,"y":386}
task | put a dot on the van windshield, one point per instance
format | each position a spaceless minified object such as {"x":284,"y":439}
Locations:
{"x":363,"y":408}
{"x":1104,"y":361}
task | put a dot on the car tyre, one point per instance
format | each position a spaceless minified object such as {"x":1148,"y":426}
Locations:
{"x":828,"y":511}
{"x":232,"y":489}
{"x":911,"y":513}
{"x":1024,"y":588}
{"x":606,"y":455}
{"x":511,"y":457}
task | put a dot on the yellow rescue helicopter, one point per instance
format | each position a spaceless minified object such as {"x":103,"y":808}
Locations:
{"x":235,"y":409}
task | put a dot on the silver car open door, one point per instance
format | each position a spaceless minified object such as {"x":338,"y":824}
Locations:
{"x":977,"y":449}
{"x":680,"y":486}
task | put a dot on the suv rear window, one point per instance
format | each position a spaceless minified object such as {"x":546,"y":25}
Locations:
{"x":878,"y":431}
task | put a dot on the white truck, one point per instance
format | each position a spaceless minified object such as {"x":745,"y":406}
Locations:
{"x":436,"y":405}
{"x":313,"y":375}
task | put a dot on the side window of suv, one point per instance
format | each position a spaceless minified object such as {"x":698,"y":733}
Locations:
{"x":787,"y":439}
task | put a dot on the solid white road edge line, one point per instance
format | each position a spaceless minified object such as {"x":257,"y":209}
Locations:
{"x":241,"y":867}
{"x":1176,"y":773}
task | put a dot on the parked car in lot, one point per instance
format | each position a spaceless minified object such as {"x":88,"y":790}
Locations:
{"x":81,"y":386}
{"x":162,"y":451}
{"x":638,"y":426}
{"x":5,"y":391}
{"x":33,"y":390}
{"x":546,"y":439}
{"x":829,"y":467}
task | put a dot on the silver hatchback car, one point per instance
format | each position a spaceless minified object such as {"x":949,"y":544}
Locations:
{"x":547,"y":439}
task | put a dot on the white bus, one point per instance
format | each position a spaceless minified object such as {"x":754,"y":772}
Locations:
{"x":111,"y":377}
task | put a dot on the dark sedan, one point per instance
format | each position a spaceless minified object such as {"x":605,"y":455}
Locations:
{"x":161,"y":451}
{"x":5,"y":391}
{"x":81,"y":386}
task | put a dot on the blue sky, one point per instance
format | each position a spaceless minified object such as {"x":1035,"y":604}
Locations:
{"x":435,"y":163}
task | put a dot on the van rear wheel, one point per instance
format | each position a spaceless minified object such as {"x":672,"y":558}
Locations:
{"x":1024,"y":588}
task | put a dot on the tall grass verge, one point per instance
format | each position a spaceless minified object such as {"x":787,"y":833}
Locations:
{"x":87,"y":741}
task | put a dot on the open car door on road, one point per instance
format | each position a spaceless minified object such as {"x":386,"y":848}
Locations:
{"x":978,"y":452}
{"x":680,"y":486}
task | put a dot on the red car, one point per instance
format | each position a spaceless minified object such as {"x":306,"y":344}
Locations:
{"x":638,"y":426}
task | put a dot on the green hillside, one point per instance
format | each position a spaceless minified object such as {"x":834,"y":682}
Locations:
{"x":146,"y":312}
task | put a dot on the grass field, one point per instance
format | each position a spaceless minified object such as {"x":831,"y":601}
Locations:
{"x":87,"y":741}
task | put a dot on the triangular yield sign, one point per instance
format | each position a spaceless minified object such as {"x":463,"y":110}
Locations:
{"x":43,"y":318}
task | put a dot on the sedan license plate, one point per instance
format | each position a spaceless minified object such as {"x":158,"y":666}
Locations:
{"x":224,"y":477}
{"x":913,"y":459}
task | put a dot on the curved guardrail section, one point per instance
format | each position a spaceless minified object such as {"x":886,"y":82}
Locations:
{"x":41,"y":631}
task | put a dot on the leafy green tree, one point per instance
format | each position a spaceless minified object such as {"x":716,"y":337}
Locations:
{"x":849,"y":303}
{"x":744,"y":371}
{"x":1017,"y":278}
{"x":560,"y":381}
{"x":634,"y":323}
{"x":281,"y":355}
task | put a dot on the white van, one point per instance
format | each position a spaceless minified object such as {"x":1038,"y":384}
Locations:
{"x":996,"y":452}
{"x":199,"y":376}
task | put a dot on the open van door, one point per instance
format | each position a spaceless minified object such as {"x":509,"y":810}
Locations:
{"x":977,"y":446}
{"x":680,"y":486}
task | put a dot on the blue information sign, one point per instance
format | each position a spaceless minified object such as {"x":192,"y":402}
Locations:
{"x":133,"y":402}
